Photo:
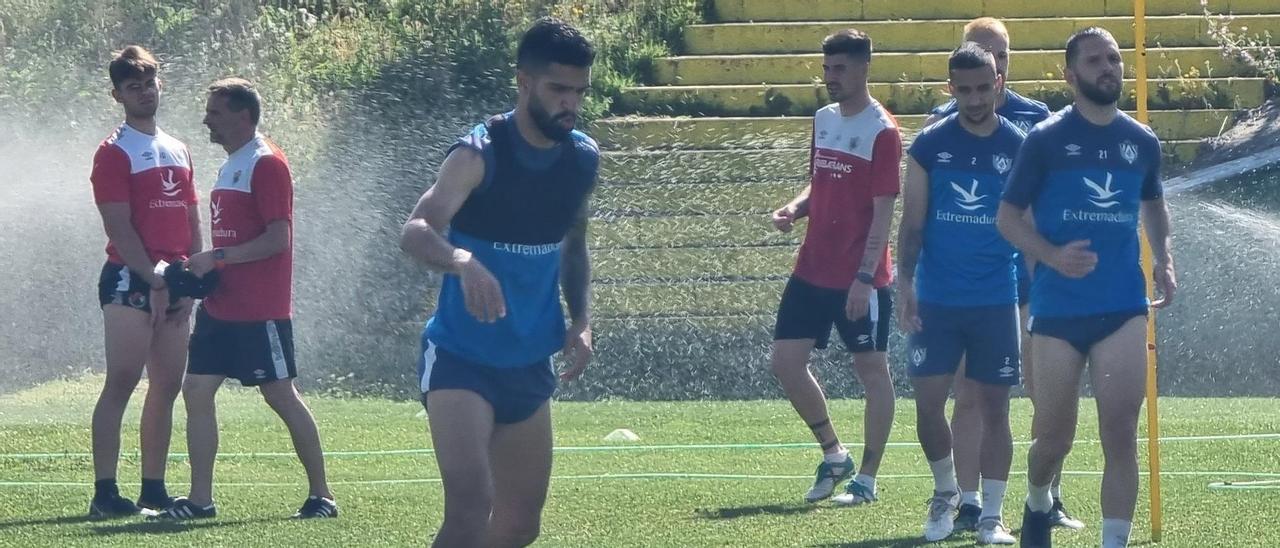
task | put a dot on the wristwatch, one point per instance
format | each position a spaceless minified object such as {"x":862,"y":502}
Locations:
{"x":219,"y":258}
{"x":866,"y":277}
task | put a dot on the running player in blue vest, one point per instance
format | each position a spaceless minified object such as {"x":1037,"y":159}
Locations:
{"x":992,"y":35}
{"x":957,"y":290}
{"x":506,"y":222}
{"x":1087,"y":174}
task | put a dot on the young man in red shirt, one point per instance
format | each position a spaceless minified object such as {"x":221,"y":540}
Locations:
{"x":142,"y":184}
{"x":842,"y":276}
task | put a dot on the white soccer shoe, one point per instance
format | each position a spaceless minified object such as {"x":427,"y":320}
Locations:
{"x":941,"y":520}
{"x":993,"y":531}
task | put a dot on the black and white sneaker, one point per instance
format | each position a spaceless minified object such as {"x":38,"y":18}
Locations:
{"x":112,"y":506}
{"x":183,"y":509}
{"x":317,"y":507}
{"x":1062,"y":519}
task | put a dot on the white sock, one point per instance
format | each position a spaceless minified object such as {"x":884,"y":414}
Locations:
{"x":944,"y":475}
{"x":993,"y":496}
{"x":1038,"y":499}
{"x":1115,"y":533}
{"x":866,"y":481}
{"x":970,"y":497}
{"x":837,"y":457}
{"x":1056,"y":490}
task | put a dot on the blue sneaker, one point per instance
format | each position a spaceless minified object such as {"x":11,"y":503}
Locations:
{"x":855,"y":494}
{"x":1036,"y":529}
{"x":828,"y":476}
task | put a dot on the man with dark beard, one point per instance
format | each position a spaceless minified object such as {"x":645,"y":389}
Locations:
{"x":1088,"y":173}
{"x":505,"y":221}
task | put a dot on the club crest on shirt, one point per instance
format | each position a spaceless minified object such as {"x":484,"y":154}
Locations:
{"x":918,"y":355}
{"x":1002,"y":162}
{"x":1129,"y":151}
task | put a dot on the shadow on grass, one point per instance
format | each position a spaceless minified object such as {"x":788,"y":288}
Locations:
{"x":762,"y":510}
{"x":169,"y":527}
{"x":900,"y":542}
{"x":60,"y":520}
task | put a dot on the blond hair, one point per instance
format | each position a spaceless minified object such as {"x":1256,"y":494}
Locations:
{"x":988,"y":24}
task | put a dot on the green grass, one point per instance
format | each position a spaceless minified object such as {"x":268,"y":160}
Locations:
{"x":256,"y":493}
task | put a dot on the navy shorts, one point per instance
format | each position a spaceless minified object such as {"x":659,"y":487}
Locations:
{"x":1083,"y":331}
{"x":808,"y":312}
{"x":250,"y":352}
{"x":515,"y":393}
{"x":986,"y":336}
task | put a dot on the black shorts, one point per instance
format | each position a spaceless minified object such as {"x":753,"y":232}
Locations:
{"x":1083,"y":332}
{"x":808,"y":312}
{"x":118,"y":285}
{"x":250,"y":352}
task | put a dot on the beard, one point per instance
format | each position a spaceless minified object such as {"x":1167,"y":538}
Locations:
{"x":550,"y":126}
{"x":976,"y":118}
{"x":148,"y":111}
{"x":1097,"y":93}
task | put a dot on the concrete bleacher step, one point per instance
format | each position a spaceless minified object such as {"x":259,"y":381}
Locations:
{"x":919,"y":98}
{"x":803,"y":68}
{"x":817,"y":10}
{"x":944,"y":34}
{"x":637,"y":132}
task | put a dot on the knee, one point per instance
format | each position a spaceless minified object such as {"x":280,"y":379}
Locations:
{"x":165,"y":387}
{"x":1053,"y":446}
{"x":197,"y":394}
{"x":519,"y":534}
{"x":119,"y":386}
{"x":280,"y":397}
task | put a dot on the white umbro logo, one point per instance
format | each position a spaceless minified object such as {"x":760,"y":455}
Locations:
{"x":864,"y":339}
{"x":944,"y":157}
{"x":1073,"y":149}
{"x":1006,"y":371}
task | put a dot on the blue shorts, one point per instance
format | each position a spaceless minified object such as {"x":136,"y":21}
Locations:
{"x":986,"y":336}
{"x":1082,"y":332}
{"x":515,"y":393}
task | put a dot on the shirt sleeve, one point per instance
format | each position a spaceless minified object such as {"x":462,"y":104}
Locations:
{"x":944,"y":109}
{"x":1027,"y":178}
{"x":110,"y":175}
{"x":479,"y":141}
{"x":921,"y":152}
{"x":886,"y":163}
{"x":1152,"y":186}
{"x":273,"y":189}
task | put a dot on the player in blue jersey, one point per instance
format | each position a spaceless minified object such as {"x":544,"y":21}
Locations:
{"x":957,"y":286}
{"x":506,"y":224}
{"x":1088,"y":174}
{"x":991,"y":35}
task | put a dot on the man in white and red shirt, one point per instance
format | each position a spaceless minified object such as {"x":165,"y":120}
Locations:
{"x":842,"y":275}
{"x":142,"y":185}
{"x":243,"y":328}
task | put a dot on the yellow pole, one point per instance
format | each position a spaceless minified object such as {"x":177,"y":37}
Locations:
{"x":1153,"y":414}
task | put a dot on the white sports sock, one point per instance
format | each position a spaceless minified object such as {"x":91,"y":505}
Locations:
{"x":1056,"y":490}
{"x":944,"y":475}
{"x":866,"y":481}
{"x":837,"y":457}
{"x":993,"y":496}
{"x":970,"y":497}
{"x":1038,"y":499}
{"x":1115,"y":533}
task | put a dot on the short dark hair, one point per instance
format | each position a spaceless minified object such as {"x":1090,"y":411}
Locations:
{"x":1073,"y":43}
{"x":851,"y":42}
{"x":132,"y":62}
{"x":240,"y":95}
{"x":970,"y":56}
{"x":552,"y":40}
